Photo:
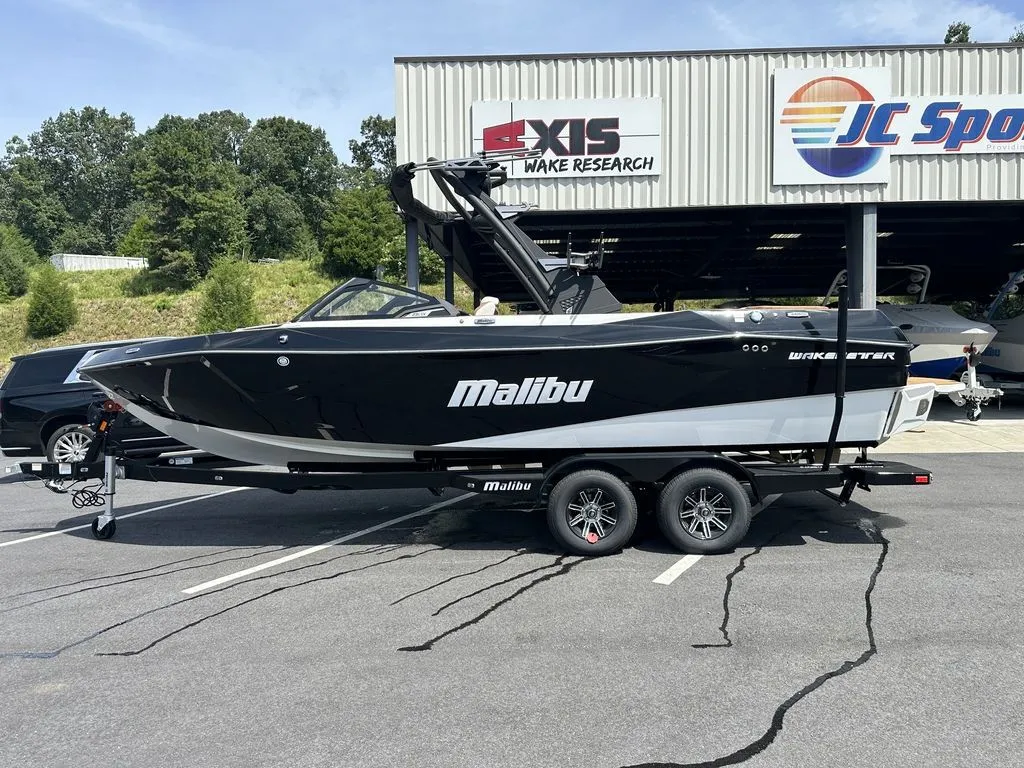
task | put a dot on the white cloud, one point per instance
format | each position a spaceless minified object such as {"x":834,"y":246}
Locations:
{"x":925,"y":21}
{"x":128,"y":16}
{"x":731,"y":28}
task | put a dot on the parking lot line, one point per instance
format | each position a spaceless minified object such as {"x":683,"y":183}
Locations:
{"x":678,"y":569}
{"x":320,"y":547}
{"x":119,"y":517}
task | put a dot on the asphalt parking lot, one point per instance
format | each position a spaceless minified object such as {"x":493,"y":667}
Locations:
{"x":442,"y":632}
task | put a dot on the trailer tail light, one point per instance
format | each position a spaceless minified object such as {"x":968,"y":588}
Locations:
{"x":109,"y":406}
{"x":922,"y":479}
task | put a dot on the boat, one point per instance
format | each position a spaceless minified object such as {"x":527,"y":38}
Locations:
{"x":1003,"y":359}
{"x":940,"y":335}
{"x":378,"y":373}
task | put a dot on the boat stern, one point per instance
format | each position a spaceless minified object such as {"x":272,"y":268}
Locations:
{"x":910,"y":408}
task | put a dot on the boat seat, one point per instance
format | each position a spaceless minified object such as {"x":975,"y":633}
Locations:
{"x":488,"y":306}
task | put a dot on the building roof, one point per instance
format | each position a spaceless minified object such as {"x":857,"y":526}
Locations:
{"x":700,"y":52}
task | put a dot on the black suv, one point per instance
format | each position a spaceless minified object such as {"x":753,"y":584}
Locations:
{"x":45,"y":408}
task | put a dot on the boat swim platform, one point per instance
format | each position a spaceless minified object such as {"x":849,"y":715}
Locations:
{"x":942,"y":386}
{"x":999,"y":430}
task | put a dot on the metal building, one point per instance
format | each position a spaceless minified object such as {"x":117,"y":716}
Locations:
{"x":745,"y":173}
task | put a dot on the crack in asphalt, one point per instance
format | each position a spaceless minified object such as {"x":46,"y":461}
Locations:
{"x":563,"y":568}
{"x":761,"y":744}
{"x":450,"y":579}
{"x":495,"y":585}
{"x":124,"y":573}
{"x":128,"y":581}
{"x":376,"y":549}
{"x":724,"y":628}
{"x":274,"y":591}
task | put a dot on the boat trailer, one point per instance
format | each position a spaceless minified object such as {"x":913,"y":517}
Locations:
{"x":703,"y":501}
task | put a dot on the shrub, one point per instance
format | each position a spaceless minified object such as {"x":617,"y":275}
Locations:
{"x":51,"y":304}
{"x":431,"y":266}
{"x":12,"y":241}
{"x":140,"y":239}
{"x":13,"y":275}
{"x":228,"y":301}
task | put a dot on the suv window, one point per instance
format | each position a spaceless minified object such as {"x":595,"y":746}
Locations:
{"x":45,"y":369}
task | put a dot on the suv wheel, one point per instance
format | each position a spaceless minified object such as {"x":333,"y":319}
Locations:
{"x":69,"y":444}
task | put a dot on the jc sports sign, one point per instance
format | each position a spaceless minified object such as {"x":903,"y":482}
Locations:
{"x":841,"y":126}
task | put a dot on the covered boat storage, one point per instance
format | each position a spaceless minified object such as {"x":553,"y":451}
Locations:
{"x":741,"y":174}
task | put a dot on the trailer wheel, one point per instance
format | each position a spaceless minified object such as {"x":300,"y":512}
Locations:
{"x":592,"y":512}
{"x":704,"y":511}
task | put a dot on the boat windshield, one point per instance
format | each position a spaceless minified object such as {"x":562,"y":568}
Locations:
{"x":360,"y":298}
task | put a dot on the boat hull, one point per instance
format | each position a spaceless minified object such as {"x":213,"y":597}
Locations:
{"x":939,"y":336}
{"x":334,"y":394}
{"x":1004,"y":357}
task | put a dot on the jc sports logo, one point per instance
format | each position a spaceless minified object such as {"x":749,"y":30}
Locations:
{"x":846,"y":126}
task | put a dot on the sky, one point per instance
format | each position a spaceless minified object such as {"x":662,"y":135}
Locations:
{"x":331,"y":63}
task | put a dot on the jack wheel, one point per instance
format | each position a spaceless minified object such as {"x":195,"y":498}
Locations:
{"x":106,"y":532}
{"x":973,"y":412}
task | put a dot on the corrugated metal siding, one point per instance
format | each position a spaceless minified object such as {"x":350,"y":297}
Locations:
{"x":77,"y":262}
{"x":716,"y":131}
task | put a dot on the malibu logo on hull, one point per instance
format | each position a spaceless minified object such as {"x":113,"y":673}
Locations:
{"x":470,"y":393}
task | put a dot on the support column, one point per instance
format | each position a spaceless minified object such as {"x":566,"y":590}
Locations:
{"x":449,"y":281}
{"x":412,"y":255}
{"x":862,"y":255}
{"x":449,"y":266}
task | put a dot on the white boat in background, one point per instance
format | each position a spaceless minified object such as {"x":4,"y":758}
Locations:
{"x":1004,"y":356}
{"x":940,"y":336}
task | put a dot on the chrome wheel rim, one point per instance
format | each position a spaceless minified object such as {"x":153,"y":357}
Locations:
{"x":71,"y":447}
{"x":592,"y":515}
{"x":706,"y":513}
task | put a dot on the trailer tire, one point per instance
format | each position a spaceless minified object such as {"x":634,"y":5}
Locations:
{"x":591,"y":512}
{"x":695,"y":505}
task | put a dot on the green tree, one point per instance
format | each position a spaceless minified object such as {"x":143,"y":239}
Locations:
{"x":227,"y":131}
{"x":362,"y":232}
{"x":140,"y":239}
{"x":13,"y":241}
{"x":274,"y":221}
{"x":26,"y":203}
{"x":297,"y":158}
{"x":958,"y":33}
{"x":80,"y":238}
{"x":51,"y":304}
{"x":13,"y":276}
{"x":374,"y":155}
{"x":197,"y":212}
{"x":84,"y":160}
{"x":228,"y":298}
{"x":1018,"y":35}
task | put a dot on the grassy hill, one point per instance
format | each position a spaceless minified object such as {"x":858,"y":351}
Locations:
{"x":108,"y":311}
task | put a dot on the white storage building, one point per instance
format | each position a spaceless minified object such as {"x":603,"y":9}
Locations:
{"x":746,"y":172}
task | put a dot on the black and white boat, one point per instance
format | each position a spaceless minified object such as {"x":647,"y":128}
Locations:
{"x":375,"y":372}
